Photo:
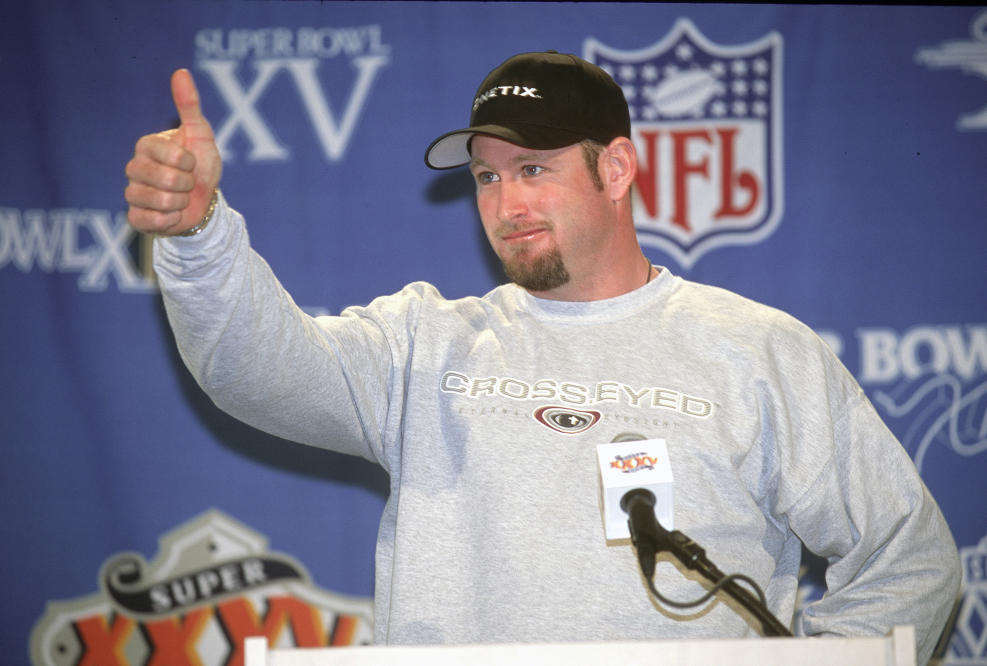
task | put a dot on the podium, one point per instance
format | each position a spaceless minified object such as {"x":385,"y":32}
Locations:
{"x":895,"y":649}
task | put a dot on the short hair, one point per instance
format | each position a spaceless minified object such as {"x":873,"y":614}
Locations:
{"x":591,"y":153}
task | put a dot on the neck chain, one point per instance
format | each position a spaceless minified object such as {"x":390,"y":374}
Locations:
{"x":650,"y":270}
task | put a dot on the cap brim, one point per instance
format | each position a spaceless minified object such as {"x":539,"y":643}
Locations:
{"x":452,"y":149}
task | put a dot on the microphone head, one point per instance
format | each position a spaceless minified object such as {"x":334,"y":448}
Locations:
{"x":627,"y":465}
{"x":637,"y":495}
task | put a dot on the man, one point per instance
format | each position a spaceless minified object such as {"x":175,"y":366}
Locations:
{"x":492,"y":531}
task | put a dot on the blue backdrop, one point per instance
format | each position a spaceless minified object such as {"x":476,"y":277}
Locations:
{"x":827,"y":160}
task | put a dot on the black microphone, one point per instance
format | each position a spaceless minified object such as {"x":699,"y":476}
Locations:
{"x":639,"y":505}
{"x":650,"y":538}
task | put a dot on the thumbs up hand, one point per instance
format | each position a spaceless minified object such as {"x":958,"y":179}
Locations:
{"x":173,"y":174}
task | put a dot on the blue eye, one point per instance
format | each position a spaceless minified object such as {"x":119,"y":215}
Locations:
{"x":486,"y":177}
{"x":532,"y":170}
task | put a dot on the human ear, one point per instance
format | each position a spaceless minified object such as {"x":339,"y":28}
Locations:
{"x":619,"y":166}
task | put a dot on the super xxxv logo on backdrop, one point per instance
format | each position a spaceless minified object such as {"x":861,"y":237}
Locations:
{"x":707,"y":124}
{"x":213,"y":584}
{"x":308,"y":57}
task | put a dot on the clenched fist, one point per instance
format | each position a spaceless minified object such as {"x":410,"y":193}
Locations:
{"x":173,"y":174}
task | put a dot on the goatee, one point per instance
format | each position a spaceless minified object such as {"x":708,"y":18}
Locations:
{"x":544,"y":273}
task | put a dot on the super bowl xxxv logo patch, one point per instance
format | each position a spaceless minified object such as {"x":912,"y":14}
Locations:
{"x":706,"y":120}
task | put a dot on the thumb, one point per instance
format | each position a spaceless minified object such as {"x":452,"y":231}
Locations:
{"x":186,"y":97}
{"x":195,"y":135}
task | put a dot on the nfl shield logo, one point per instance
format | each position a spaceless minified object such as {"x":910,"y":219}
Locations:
{"x":706,"y":120}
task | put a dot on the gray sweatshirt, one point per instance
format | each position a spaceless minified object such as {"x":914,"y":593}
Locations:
{"x":486,"y":413}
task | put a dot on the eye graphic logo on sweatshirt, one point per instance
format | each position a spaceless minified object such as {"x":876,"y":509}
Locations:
{"x":566,"y":420}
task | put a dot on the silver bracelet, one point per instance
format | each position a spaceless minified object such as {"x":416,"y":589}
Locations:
{"x":197,"y":229}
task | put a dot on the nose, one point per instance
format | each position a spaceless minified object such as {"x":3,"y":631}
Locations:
{"x":512,"y":201}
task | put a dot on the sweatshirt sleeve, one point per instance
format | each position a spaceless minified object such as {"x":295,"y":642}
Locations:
{"x":321,"y":381}
{"x":891,"y":557}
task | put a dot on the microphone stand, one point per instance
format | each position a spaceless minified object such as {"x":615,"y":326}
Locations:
{"x":690,"y":554}
{"x":653,"y":538}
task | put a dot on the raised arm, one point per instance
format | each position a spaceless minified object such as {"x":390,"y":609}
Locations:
{"x":254,"y":352}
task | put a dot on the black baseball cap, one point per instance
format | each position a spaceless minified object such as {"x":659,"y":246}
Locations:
{"x":542,"y":101}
